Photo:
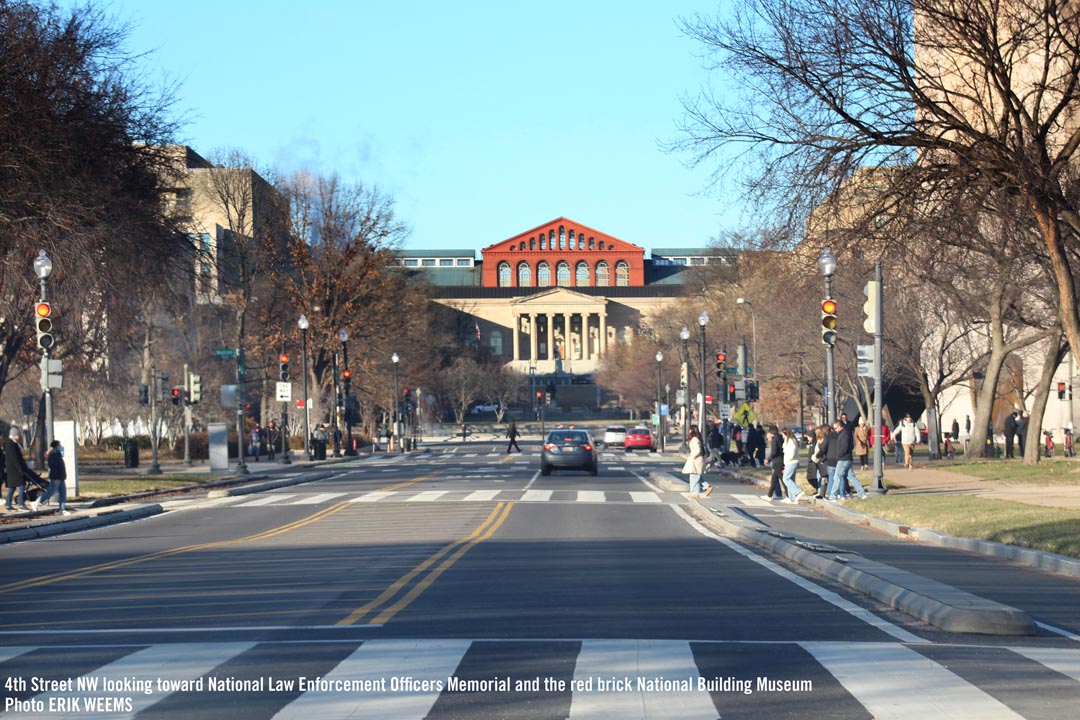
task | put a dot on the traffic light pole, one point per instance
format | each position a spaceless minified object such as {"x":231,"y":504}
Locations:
{"x":830,"y":372}
{"x":879,"y":450}
{"x":157,"y":386}
{"x":241,"y":429}
{"x":187,"y":416}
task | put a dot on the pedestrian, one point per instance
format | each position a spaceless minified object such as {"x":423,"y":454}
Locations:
{"x":695,"y":462}
{"x":16,"y":468}
{"x":57,"y":479}
{"x":272,"y":438}
{"x":336,"y":434}
{"x":320,"y":437}
{"x":862,"y":443}
{"x":737,"y":438}
{"x":1010,"y":434}
{"x":844,"y":472}
{"x":715,"y":443}
{"x":816,"y":472}
{"x":955,"y":429}
{"x":908,"y":434}
{"x":774,"y":458}
{"x":512,"y":433}
{"x":1021,"y":432}
{"x":254,"y":440}
{"x":759,"y":456}
{"x":791,"y":466}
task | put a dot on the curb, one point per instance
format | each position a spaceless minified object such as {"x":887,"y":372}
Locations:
{"x":249,"y":488}
{"x":62,"y":527}
{"x":940,"y":605}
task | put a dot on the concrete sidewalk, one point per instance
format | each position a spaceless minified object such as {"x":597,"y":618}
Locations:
{"x":936,"y":478}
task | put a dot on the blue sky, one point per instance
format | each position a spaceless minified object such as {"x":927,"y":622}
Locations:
{"x":481,"y":119}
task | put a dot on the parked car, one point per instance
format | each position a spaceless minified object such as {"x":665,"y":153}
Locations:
{"x":615,"y":435}
{"x":568,"y":450}
{"x":483,"y":408}
{"x":640,"y":437}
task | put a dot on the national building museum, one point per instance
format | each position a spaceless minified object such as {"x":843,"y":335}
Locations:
{"x":559,"y":295}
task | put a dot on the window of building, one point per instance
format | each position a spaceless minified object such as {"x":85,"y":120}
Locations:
{"x":601,"y":244}
{"x":581,"y":278}
{"x":581,"y":242}
{"x":697,"y":261}
{"x":603,"y":274}
{"x":678,"y":261}
{"x":562,"y":238}
{"x":543,"y":275}
{"x":592,"y":243}
{"x":524,"y":275}
{"x":562,"y":274}
{"x":428,"y":262}
{"x":204,"y":243}
{"x":205,"y":270}
{"x":412,"y":262}
{"x":504,"y":274}
{"x":551,"y":240}
{"x":543,"y":243}
{"x":522,"y":245}
{"x":571,"y":239}
{"x":464,"y":263}
{"x":446,"y":263}
{"x":622,"y":273}
{"x":532,"y":243}
{"x":496,"y":342}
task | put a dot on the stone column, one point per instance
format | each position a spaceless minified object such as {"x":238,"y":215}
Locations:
{"x":533,"y":338}
{"x":603,"y":333}
{"x":517,"y":326}
{"x":586,"y":340}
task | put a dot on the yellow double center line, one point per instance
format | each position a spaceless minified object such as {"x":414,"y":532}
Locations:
{"x":103,"y":567}
{"x":448,"y":555}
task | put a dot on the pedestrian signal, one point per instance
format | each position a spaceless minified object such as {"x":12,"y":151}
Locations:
{"x":177,"y":395}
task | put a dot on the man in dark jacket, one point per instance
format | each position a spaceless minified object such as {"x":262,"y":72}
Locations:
{"x":16,"y":468}
{"x":774,"y":456}
{"x":844,"y":472}
{"x":1010,"y":434}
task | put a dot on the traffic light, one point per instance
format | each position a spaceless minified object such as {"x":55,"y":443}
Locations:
{"x":144,"y":394}
{"x":828,"y":322}
{"x":870,"y":307}
{"x":346,"y":381}
{"x":283,"y":367}
{"x":1061,"y":391}
{"x":194,"y":388}
{"x":43,"y":323}
{"x":752,"y":393}
{"x":721,"y":364}
{"x":177,"y":395}
{"x":731,"y":392}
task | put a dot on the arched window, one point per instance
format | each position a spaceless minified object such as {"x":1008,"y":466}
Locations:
{"x":581,"y":278}
{"x":562,"y":238}
{"x":504,"y":274}
{"x":524,"y":275}
{"x":562,"y":274}
{"x":532,"y":243}
{"x":522,"y":245}
{"x":601,"y":244}
{"x":543,"y":243}
{"x":592,"y":243}
{"x":543,"y":275}
{"x":571,"y":239}
{"x":622,"y":273}
{"x":551,"y":240}
{"x":581,"y":242}
{"x":603,"y":274}
{"x":496,"y":342}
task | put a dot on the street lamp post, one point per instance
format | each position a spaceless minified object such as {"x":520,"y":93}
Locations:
{"x":394,"y":431}
{"x":753,"y":334}
{"x":532,"y":385}
{"x":684,"y":375}
{"x":343,"y":336}
{"x":43,"y":269}
{"x":659,"y":409}
{"x":827,"y":266}
{"x":703,"y":320}
{"x":303,"y":323}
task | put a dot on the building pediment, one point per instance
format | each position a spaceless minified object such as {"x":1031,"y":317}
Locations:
{"x":557,"y":297}
{"x":561,"y":235}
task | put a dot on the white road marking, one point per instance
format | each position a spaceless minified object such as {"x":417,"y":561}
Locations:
{"x":536,"y":496}
{"x":374,"y":496}
{"x":1063,"y":660}
{"x":644,"y":497}
{"x":320,"y":498}
{"x":482,"y":495}
{"x":756,"y":501}
{"x":591,"y":496}
{"x":268,"y":500}
{"x":427,"y":496}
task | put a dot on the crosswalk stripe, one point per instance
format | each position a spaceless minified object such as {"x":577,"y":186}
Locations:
{"x":375,"y":661}
{"x":536,"y":496}
{"x":427,"y":496}
{"x":482,"y":495}
{"x":590,"y":496}
{"x":644,"y":497}
{"x":374,"y":496}
{"x":940,"y":693}
{"x":268,"y":500}
{"x":753,"y":500}
{"x":1063,"y":660}
{"x":6,"y":653}
{"x":603,"y":660}
{"x":316,"y":499}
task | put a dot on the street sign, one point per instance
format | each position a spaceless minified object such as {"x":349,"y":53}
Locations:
{"x":665,"y":411}
{"x":225,"y":353}
{"x":284,"y":392}
{"x":230,"y":398}
{"x":300,"y":403}
{"x":51,"y":373}
{"x":745,"y":415}
{"x":680,"y":396}
{"x":725,"y":412}
{"x":864,"y":355}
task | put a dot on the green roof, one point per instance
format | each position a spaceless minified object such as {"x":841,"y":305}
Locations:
{"x":688,"y":252}
{"x":468,"y":252}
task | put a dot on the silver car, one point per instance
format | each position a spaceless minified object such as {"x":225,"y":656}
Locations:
{"x":615,"y":435}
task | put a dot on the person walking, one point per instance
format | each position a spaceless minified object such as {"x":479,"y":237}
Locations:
{"x":320,"y":437}
{"x":16,"y":468}
{"x":844,"y":472}
{"x":57,"y":479}
{"x":512,"y":433}
{"x":272,"y":438}
{"x":908,"y":434}
{"x":862,"y":443}
{"x":817,"y":473}
{"x":715,"y":443}
{"x":774,"y":455}
{"x":1021,"y":432}
{"x":791,"y":466}
{"x":695,"y":462}
{"x":254,"y":441}
{"x":1010,"y":434}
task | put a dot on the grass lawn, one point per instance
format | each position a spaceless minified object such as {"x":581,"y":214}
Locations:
{"x":1039,"y":528}
{"x":92,"y":489}
{"x":1052,"y":471}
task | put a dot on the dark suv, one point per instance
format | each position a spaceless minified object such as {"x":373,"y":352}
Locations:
{"x":568,"y":450}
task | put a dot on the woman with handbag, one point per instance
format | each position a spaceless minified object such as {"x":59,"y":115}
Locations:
{"x":695,"y":463}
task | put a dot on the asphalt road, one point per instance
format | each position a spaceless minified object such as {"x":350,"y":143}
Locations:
{"x":461,"y":584}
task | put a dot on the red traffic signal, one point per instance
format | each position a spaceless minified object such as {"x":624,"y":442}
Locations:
{"x":731,"y":390}
{"x":346,"y":374}
{"x":43,"y":310}
{"x":721,"y":357}
{"x":284,"y":358}
{"x":708,"y":398}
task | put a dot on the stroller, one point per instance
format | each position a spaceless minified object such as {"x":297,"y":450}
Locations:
{"x":36,"y":486}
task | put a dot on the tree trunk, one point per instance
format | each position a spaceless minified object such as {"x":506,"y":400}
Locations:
{"x":1033,"y":432}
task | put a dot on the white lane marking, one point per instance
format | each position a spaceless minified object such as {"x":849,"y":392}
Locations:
{"x":316,"y":499}
{"x":164,"y":663}
{"x":647,"y":484}
{"x":1058,"y":631}
{"x":756,"y":501}
{"x":10,"y":652}
{"x":536,"y":496}
{"x":827,"y":595}
{"x":375,"y":660}
{"x":374,"y":496}
{"x":481,"y":495}
{"x":609,"y":660}
{"x":268,"y":500}
{"x":616,"y":467}
{"x":644,"y":497}
{"x":427,"y":496}
{"x":1063,"y":660}
{"x":592,"y":496}
{"x":918,"y":687}
{"x":535,"y":475}
{"x":471,"y":455}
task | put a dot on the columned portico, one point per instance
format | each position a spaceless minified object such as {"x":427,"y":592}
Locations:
{"x":560,"y":324}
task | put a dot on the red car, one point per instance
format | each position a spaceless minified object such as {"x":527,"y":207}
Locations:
{"x":640,"y":437}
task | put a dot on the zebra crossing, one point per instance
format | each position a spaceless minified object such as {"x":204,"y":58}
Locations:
{"x":426,"y":496}
{"x":405,"y":679}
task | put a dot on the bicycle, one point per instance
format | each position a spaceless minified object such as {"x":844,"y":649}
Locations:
{"x":1049,"y":443}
